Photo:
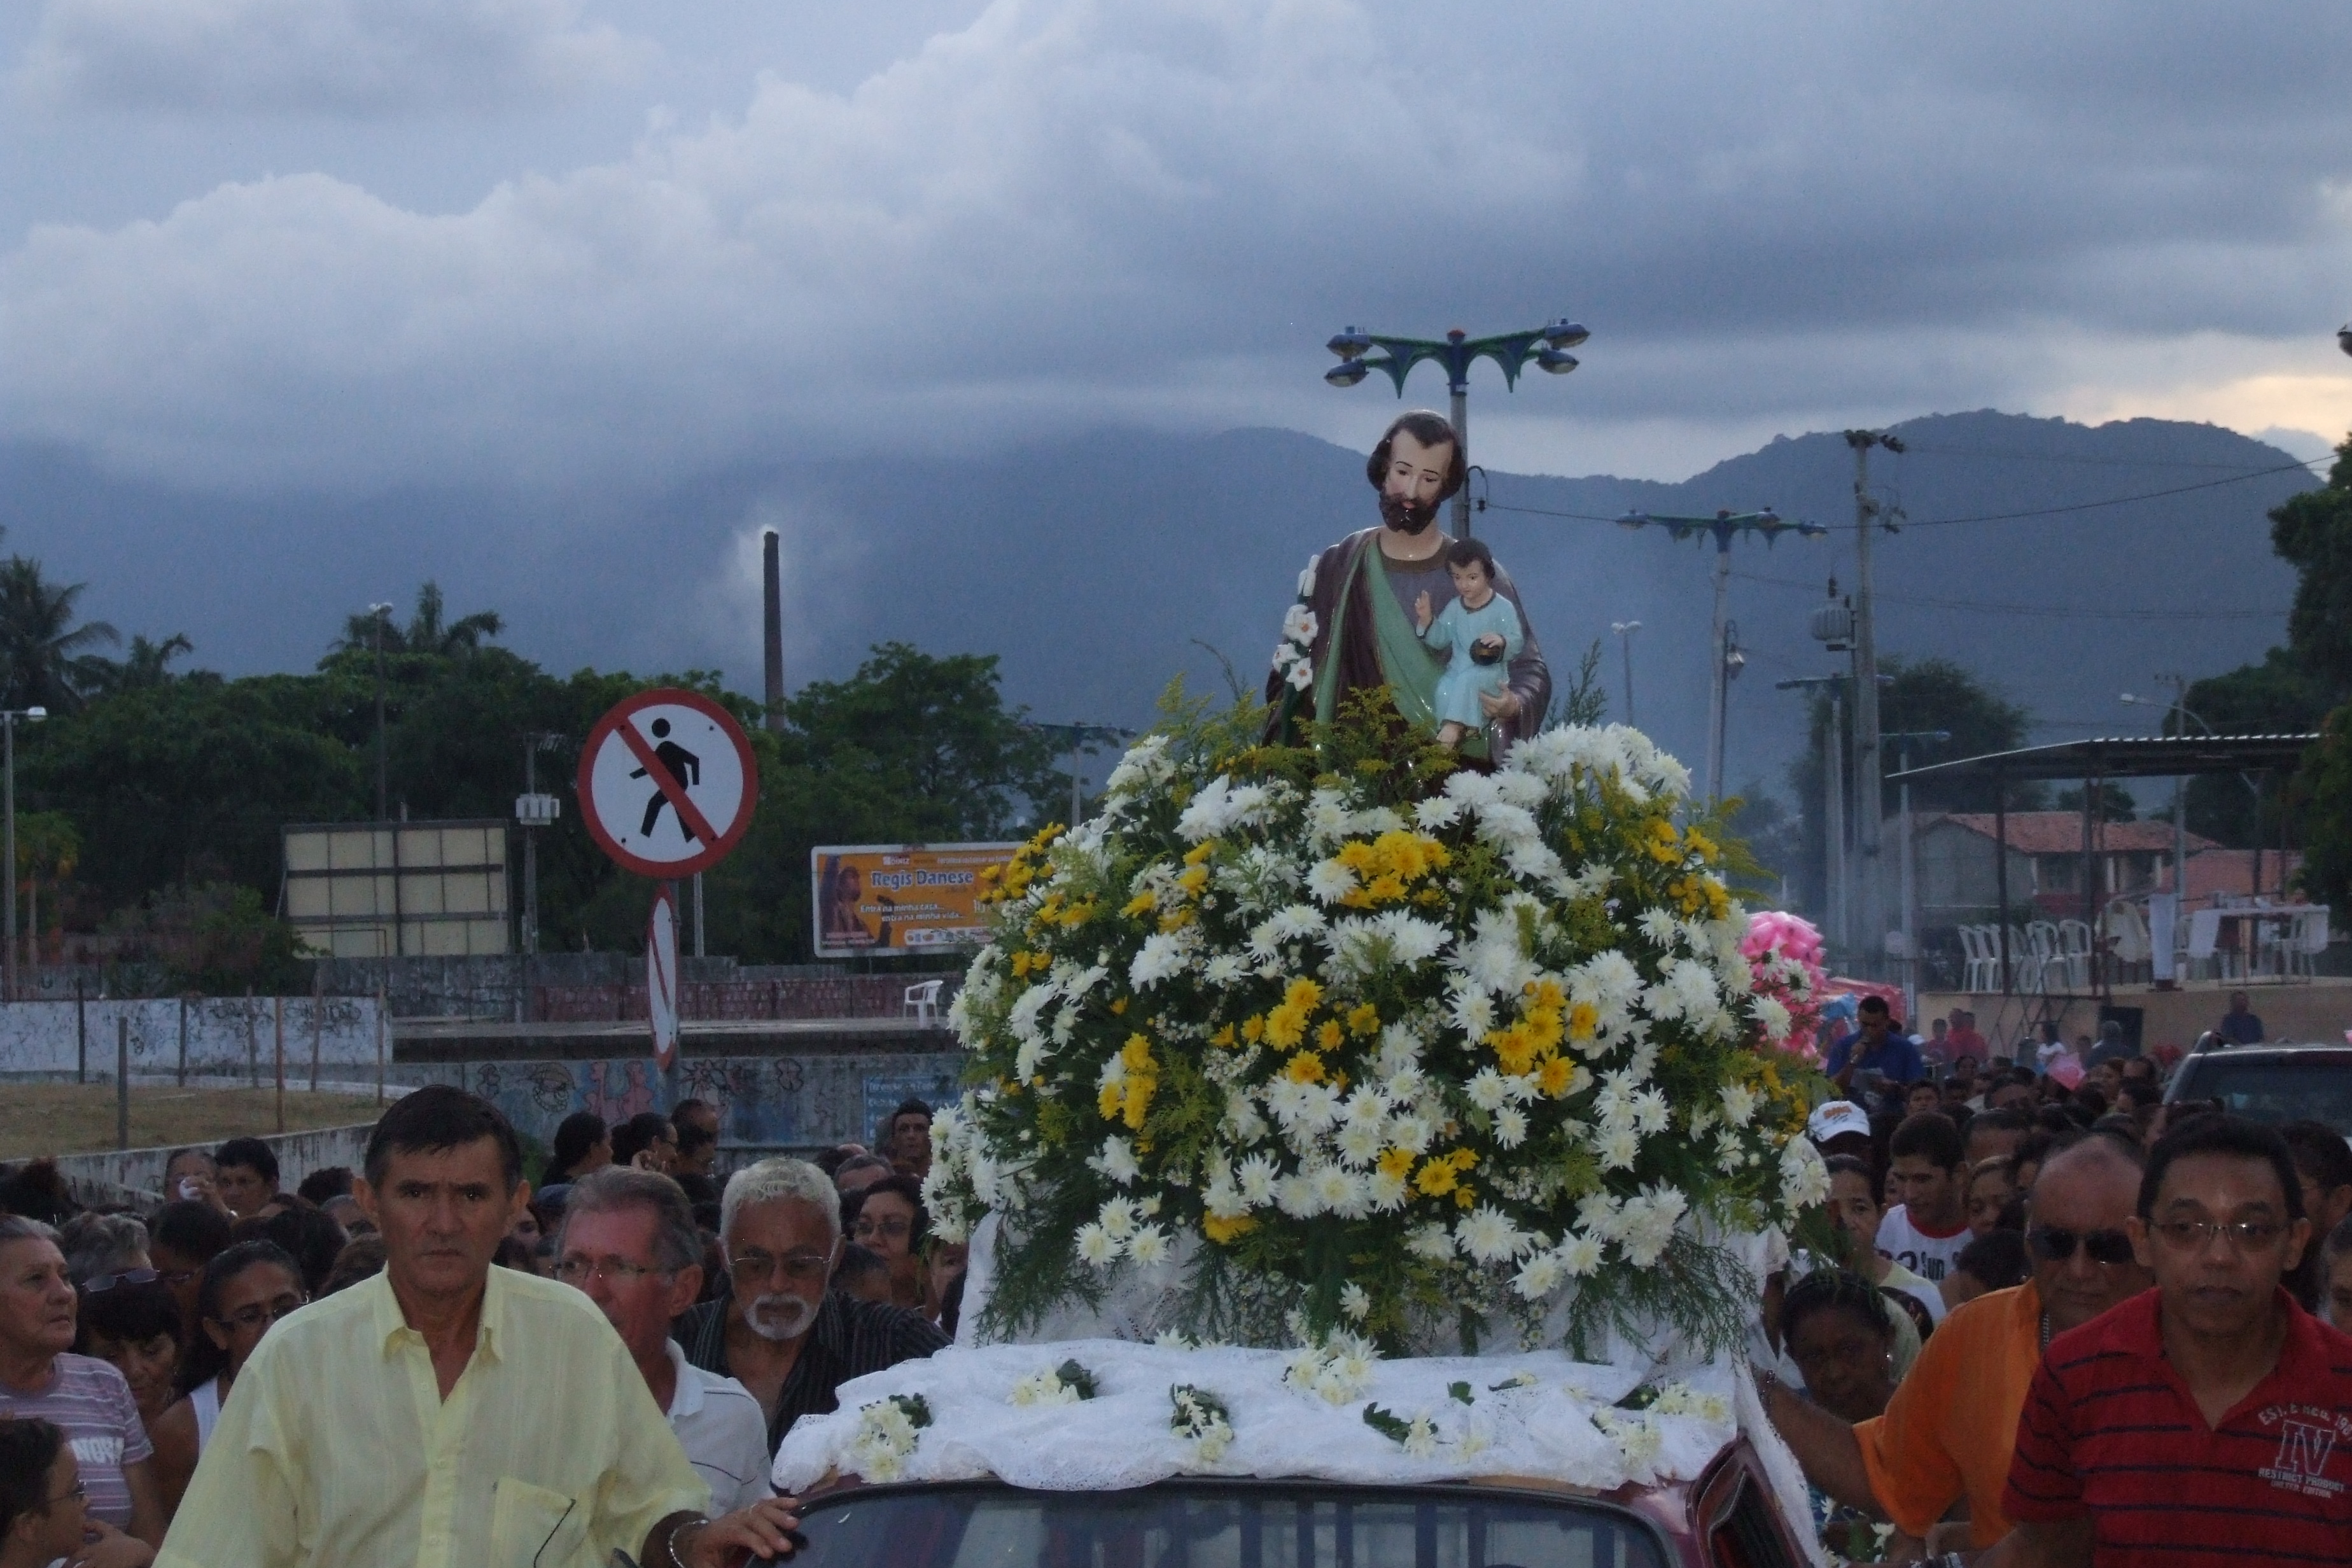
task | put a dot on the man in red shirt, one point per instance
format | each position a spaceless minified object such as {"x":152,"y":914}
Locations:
{"x":2209,"y":1420}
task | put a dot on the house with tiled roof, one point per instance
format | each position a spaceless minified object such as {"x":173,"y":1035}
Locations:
{"x":1958,"y":880}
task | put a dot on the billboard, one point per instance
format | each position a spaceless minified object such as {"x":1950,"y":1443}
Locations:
{"x":898,"y":898}
{"x":384,"y":889}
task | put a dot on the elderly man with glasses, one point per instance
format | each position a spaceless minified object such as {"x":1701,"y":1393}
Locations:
{"x":781,"y":1330}
{"x":628,"y":1241}
{"x":1951,"y":1431}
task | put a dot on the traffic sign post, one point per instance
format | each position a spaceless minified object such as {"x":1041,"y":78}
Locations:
{"x":667,"y":784}
{"x":661,"y":975}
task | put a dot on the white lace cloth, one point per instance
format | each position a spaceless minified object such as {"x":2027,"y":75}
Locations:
{"x":1541,"y":1426}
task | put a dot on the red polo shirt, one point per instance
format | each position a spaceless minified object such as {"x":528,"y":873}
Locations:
{"x":2110,"y":1430}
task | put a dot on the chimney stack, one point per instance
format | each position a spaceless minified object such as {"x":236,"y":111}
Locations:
{"x":773,"y":640}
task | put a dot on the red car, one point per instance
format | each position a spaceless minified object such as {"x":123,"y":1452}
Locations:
{"x":1727,"y":1519}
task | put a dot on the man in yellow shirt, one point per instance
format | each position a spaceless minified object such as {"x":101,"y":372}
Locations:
{"x":447,"y":1413}
{"x":1950,"y":1430}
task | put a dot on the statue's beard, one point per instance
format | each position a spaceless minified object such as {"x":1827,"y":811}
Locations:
{"x":1406,"y":516}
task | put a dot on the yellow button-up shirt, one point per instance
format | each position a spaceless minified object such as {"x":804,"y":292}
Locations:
{"x":336,"y":1448}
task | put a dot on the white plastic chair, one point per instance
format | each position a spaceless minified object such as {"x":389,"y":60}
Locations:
{"x":2024,"y":962}
{"x":2075,"y":953}
{"x":2049,"y":955}
{"x":1983,"y":945}
{"x":923,"y":1002}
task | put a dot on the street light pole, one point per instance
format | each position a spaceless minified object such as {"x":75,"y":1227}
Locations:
{"x":1625,"y":630}
{"x":1910,"y":869}
{"x":1869,"y":768}
{"x":1457,"y":351}
{"x":1723,"y":526}
{"x":1079,"y":736}
{"x":8,"y":726}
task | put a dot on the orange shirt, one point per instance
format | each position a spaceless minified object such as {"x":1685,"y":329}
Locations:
{"x":1951,"y":1429}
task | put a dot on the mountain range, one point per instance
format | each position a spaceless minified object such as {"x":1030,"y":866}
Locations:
{"x":1099,"y":565}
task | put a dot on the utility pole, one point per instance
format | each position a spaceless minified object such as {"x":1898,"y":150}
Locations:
{"x":1625,"y":630}
{"x":534,"y":811}
{"x":1833,"y":892}
{"x":772,"y":642}
{"x":1902,"y":741}
{"x":1869,"y":766}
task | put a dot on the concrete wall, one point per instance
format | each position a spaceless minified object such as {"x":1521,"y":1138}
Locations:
{"x":809,"y":1100}
{"x":136,"y":1175}
{"x":225,"y":1036}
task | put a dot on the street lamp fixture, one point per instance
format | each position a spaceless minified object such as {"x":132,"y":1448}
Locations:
{"x":1545,"y":347}
{"x":1723,"y":528}
{"x":9,"y":725}
{"x":2344,"y":338}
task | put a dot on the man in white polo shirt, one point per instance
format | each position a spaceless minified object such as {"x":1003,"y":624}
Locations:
{"x":628,"y":1241}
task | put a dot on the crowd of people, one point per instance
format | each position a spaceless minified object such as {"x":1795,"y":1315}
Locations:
{"x":2017,"y":1279}
{"x":2054,"y":1318}
{"x":420,"y":1331}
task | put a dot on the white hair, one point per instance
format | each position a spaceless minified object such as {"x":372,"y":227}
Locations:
{"x":771,"y":1179}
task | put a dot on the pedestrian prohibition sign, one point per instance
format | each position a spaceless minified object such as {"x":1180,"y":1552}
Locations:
{"x":667,"y":782}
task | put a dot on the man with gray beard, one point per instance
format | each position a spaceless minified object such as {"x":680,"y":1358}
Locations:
{"x":780,"y":1330}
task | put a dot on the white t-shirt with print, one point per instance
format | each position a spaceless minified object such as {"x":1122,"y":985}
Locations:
{"x":1930,"y":1256}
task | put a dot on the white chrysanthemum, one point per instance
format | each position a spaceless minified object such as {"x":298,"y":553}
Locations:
{"x":1540,"y":1277}
{"x":1617,"y":1149}
{"x":1487,"y":1091}
{"x":1488,"y":1235}
{"x":1096,"y":1246}
{"x":1117,"y":1219}
{"x":1296,"y":1195}
{"x":1420,"y":1437}
{"x":1342,"y":1192}
{"x":1223,"y":1199}
{"x":1804,"y":1179}
{"x":1149,"y":1247}
{"x":1145,"y":764}
{"x":1412,"y":1133}
{"x":1510,"y":1127}
{"x":1223,"y":972}
{"x":1771,"y":1017}
{"x":1360,"y":1143}
{"x":1579,"y":1256}
{"x":1400,"y":1048}
{"x":1330,"y":881}
{"x":1661,"y":927}
{"x":1163,"y":955}
{"x":1429,"y":1241}
{"x":1738,"y":1104}
{"x":1385,"y":1192}
{"x":1651,"y":1111}
{"x":1256,"y":1176}
{"x":1473,"y":1011}
{"x":1437,"y":812}
{"x":1242,"y":1120}
{"x":1353,"y":1301}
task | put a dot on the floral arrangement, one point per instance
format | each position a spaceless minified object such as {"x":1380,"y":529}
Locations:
{"x":1065,"y":1385}
{"x":1784,"y":961}
{"x":1202,"y":1419}
{"x":1342,"y":1033}
{"x":886,"y":1434}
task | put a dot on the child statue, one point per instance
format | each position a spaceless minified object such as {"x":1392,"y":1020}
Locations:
{"x":1482,"y":629}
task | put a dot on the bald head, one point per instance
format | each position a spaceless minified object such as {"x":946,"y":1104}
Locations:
{"x":2080,"y":1200}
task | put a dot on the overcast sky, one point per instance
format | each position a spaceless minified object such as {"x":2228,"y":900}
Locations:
{"x":359,"y":244}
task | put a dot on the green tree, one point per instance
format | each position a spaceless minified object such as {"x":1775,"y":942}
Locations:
{"x":43,"y":645}
{"x":2313,"y":533}
{"x":425,"y":633}
{"x":148,"y":663}
{"x":2115,"y":804}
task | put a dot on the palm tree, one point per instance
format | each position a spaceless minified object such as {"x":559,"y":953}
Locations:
{"x":41,"y":647}
{"x":147,"y":665}
{"x":424,"y":632}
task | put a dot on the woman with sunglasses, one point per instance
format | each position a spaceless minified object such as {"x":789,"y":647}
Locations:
{"x":132,"y":1322}
{"x":42,"y":1516}
{"x":88,"y":1400}
{"x":247,"y":1290}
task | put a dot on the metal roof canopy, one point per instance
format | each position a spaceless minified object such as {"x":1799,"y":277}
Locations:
{"x":2115,"y":757}
{"x":2125,"y":757}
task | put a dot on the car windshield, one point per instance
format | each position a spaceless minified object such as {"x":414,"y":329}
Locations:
{"x":2306,"y":1086}
{"x":1193,"y":1524}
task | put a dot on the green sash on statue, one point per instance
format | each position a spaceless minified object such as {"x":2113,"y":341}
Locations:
{"x":1405,"y":662}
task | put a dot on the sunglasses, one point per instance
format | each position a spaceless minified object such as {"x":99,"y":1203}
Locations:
{"x":128,"y":1277}
{"x":2052,"y":1245}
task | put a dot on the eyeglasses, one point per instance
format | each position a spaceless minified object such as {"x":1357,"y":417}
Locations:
{"x":2197,"y":1235}
{"x":580,"y":1270}
{"x":261,"y":1314}
{"x":896,"y":1229}
{"x":754,"y":1269}
{"x":128,"y":1277}
{"x":74,"y":1493}
{"x":2052,"y":1245}
{"x":175,"y":1278}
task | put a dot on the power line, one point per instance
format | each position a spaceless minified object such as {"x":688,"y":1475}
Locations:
{"x":2059,"y":612}
{"x":1986,"y":517}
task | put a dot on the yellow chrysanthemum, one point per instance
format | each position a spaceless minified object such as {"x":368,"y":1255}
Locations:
{"x":1221,"y":1231}
{"x":1330,"y":1036}
{"x":1306,"y":1066}
{"x":1554,"y":1076}
{"x":1363,"y":1019}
